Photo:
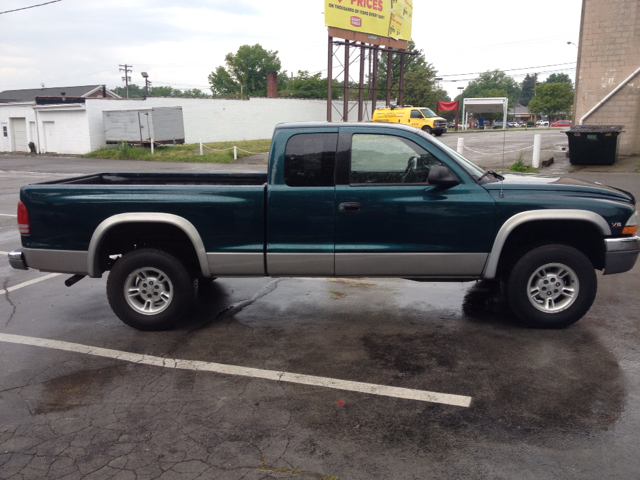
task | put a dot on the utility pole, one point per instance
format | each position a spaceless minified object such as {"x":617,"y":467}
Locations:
{"x":126,"y":69}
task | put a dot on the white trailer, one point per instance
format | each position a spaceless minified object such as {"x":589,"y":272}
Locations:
{"x":163,"y":125}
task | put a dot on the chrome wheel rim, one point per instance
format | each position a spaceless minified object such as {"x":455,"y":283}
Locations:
{"x":148,"y":291}
{"x":553,"y":288}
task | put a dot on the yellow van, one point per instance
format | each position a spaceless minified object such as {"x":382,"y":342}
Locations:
{"x":419,"y":117}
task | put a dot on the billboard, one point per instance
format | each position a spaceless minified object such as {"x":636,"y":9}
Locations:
{"x":386,"y":18}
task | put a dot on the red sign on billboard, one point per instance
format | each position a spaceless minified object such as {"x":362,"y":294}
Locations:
{"x":356,"y":21}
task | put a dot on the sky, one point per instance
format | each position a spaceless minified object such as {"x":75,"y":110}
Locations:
{"x":83,"y":42}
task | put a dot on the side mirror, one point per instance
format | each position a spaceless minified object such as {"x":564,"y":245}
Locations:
{"x":442,"y":176}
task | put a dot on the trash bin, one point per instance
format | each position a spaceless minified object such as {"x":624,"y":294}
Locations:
{"x":593,"y":144}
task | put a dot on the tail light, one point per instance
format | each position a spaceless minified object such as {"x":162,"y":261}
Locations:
{"x":23,"y":219}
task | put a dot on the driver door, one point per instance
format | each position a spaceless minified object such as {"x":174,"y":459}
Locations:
{"x":391,"y":222}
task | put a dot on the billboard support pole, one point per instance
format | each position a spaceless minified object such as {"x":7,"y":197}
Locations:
{"x":401,"y":85}
{"x":345,"y":110}
{"x":374,"y":80}
{"x":330,"y":80}
{"x":361,"y":94}
{"x":389,"y":72}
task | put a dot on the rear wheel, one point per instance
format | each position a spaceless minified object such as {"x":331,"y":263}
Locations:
{"x":551,"y":286}
{"x":149,"y":289}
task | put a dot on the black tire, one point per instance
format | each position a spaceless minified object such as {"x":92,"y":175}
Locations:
{"x":551,"y":286}
{"x":427,"y":129}
{"x":168,"y":286}
{"x":439,"y":132}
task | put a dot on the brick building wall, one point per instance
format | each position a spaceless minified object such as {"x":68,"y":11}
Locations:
{"x":609,"y":51}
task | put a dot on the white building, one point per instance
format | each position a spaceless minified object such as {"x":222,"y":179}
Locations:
{"x":75,"y":125}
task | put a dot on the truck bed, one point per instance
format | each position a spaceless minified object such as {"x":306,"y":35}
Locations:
{"x":238,"y":179}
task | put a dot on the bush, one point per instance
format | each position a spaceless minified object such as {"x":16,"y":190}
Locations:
{"x":531,"y":123}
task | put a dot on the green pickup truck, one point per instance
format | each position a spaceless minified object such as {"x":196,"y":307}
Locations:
{"x":338,"y":200}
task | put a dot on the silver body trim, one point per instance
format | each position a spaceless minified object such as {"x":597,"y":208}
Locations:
{"x":622,"y":244}
{"x":60,"y":261}
{"x":145,"y":217}
{"x":533,"y":215}
{"x":410,"y":264}
{"x":300,"y":264}
{"x":236,"y":264}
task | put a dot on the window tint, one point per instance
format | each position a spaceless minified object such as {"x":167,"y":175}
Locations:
{"x":310,"y":159}
{"x":416,"y":114}
{"x":388,"y":159}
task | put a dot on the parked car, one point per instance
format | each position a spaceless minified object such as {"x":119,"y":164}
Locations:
{"x":542,"y":123}
{"x":513,"y":124}
{"x":340,"y":200}
{"x":561,"y":123}
{"x":499,"y":125}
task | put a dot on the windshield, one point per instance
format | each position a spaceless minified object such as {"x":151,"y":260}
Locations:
{"x":471,"y":168}
{"x":428,"y":113}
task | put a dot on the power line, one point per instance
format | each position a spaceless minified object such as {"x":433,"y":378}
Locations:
{"x":32,"y":6}
{"x":508,"y":70}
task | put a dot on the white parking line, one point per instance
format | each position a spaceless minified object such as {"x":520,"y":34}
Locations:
{"x":30,"y":282}
{"x":368,"y":388}
{"x":8,"y":215}
{"x":3,"y":253}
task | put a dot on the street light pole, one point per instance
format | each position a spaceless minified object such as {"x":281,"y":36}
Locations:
{"x":145,"y":75}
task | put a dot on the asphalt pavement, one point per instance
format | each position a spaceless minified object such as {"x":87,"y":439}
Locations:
{"x":310,"y":378}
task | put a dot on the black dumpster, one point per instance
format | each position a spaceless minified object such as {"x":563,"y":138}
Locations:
{"x":593,"y":144}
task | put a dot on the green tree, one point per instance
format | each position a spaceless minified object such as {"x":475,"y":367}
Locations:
{"x":420,"y":89}
{"x":526,"y":89}
{"x":552,"y":99}
{"x":222,"y":85}
{"x":163,"y":91}
{"x":412,"y":63}
{"x":195,"y":93}
{"x":488,"y":83}
{"x":305,"y":85}
{"x":134,"y":91}
{"x":248,"y":68}
{"x":559,"y":78}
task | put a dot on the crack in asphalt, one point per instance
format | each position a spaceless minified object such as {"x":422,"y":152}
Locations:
{"x":5,"y":287}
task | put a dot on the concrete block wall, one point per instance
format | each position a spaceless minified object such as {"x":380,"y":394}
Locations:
{"x":220,"y":120}
{"x":609,"y":52}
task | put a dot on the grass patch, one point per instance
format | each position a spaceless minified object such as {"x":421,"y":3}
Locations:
{"x":222,"y":153}
{"x":519,"y":166}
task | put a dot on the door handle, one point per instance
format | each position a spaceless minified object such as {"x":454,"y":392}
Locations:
{"x":350,"y":207}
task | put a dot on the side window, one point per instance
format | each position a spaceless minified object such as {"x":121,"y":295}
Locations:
{"x":387,"y":159}
{"x":416,"y":114}
{"x":309,"y":160}
{"x":5,"y":133}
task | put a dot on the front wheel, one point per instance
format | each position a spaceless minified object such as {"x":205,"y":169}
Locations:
{"x":149,"y":289}
{"x":551,"y":286}
{"x":427,"y":129}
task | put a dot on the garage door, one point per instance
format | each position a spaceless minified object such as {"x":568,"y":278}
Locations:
{"x":19,"y":132}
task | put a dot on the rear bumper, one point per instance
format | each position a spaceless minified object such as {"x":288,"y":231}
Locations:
{"x":17,"y":261}
{"x":621,"y":254}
